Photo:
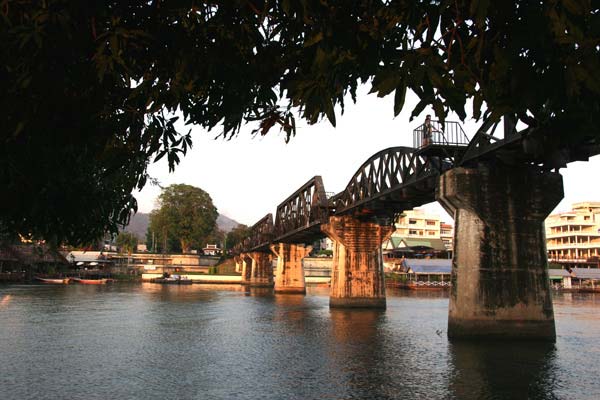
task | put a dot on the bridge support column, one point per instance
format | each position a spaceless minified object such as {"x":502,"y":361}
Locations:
{"x":357,"y":278}
{"x":238,"y":263}
{"x":290,"y":272}
{"x":262,"y":269}
{"x":246,"y":266}
{"x":500,"y":285}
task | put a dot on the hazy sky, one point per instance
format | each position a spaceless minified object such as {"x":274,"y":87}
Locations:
{"x":247,"y":177}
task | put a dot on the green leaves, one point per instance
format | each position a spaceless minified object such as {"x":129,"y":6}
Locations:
{"x":399,"y":97}
{"x":185,"y":218}
{"x":89,"y":90}
{"x":479,"y":9}
{"x":386,"y":81}
{"x":314,"y":39}
{"x":126,"y":242}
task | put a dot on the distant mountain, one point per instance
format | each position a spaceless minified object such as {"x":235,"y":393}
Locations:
{"x":138,"y":225}
{"x":226,"y":224}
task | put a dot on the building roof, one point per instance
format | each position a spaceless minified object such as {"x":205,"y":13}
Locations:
{"x":395,"y":241}
{"x":586,"y":204}
{"x":435,"y":244}
{"x":87,"y":257}
{"x":429,"y":266}
{"x":583,"y":273}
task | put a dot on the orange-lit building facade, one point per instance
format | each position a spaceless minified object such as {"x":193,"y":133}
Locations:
{"x":574,"y":237}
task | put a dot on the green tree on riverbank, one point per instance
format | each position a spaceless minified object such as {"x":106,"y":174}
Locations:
{"x":186,"y":217}
{"x":236,"y":235}
{"x":126,"y":242}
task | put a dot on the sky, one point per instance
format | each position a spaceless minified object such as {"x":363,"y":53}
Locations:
{"x":247,"y":177}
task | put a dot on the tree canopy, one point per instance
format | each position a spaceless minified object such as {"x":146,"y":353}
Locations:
{"x":88,"y":89}
{"x":126,"y":242}
{"x":186,"y":214}
{"x":236,"y":235}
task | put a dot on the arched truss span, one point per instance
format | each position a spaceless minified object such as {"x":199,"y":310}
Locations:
{"x":392,"y":180}
{"x":298,"y":218}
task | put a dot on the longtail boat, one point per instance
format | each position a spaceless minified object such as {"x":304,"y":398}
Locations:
{"x":53,"y":281}
{"x":90,"y":281}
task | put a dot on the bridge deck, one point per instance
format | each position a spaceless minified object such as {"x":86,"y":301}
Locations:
{"x":304,"y":234}
{"x":442,"y":150}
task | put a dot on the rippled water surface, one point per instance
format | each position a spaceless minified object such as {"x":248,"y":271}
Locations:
{"x":150,"y":341}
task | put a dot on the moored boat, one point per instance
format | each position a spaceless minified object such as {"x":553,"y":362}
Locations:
{"x":53,"y":281}
{"x":90,"y":281}
{"x":589,"y":289}
{"x":173,"y":279}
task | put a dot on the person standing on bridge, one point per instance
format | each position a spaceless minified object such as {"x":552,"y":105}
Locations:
{"x":428,"y":130}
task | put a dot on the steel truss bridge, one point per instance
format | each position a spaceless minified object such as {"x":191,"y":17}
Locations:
{"x":401,"y":178}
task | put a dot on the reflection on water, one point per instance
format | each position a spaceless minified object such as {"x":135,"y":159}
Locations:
{"x":357,"y":347}
{"x":421,"y":294}
{"x":502,"y":370}
{"x":259,"y":291}
{"x":223,"y":342}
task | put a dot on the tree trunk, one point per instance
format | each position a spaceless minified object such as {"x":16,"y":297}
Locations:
{"x":184,"y":246}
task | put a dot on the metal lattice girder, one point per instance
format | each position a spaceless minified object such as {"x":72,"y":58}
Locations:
{"x":390,"y":181}
{"x":528,"y":146}
{"x":261,"y":235}
{"x":305,"y":209}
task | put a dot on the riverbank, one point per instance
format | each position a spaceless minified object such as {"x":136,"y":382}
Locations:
{"x":235,"y":279}
{"x":199,"y":278}
{"x":322,"y":281}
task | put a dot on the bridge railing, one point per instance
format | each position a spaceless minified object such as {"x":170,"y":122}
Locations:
{"x":306,"y":207}
{"x":382,"y":176}
{"x":449,"y":133}
{"x":260,"y":235}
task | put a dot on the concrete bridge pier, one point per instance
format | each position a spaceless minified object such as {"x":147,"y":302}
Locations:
{"x":238,"y":263}
{"x":262,"y":269}
{"x":357,"y":278}
{"x":246,"y":268}
{"x":500,"y":284}
{"x":290,"y":272}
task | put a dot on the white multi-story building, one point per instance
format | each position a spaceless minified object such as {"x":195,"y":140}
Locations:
{"x":574,"y":237}
{"x":419,"y":232}
{"x":447,"y":235}
{"x":418,"y":224}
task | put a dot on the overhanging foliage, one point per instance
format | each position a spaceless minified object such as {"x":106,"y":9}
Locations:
{"x":87,"y":87}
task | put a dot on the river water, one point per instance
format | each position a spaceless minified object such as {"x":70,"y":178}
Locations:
{"x":149,"y":341}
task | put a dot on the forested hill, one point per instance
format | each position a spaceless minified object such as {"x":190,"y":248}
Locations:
{"x":225,"y":223}
{"x":138,"y":225}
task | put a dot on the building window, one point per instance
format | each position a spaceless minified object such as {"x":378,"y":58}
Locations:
{"x":430,"y":223}
{"x":412,"y":221}
{"x":412,"y":232}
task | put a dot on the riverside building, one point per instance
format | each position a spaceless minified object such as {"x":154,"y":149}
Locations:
{"x":419,"y":234}
{"x":573,"y":237}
